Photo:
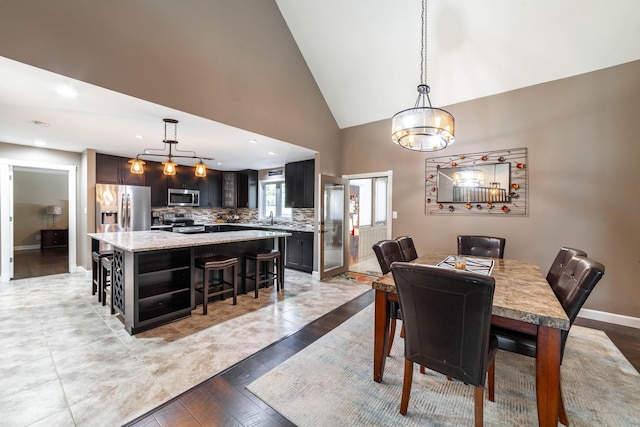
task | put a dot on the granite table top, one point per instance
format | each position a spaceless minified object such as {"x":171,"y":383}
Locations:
{"x":140,"y":241}
{"x":521,"y":292}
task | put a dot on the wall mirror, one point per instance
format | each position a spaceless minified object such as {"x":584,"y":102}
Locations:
{"x":490,"y":182}
{"x":474,"y":183}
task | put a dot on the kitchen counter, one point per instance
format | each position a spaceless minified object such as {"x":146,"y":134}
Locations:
{"x":153,"y":277}
{"x":139,"y":241}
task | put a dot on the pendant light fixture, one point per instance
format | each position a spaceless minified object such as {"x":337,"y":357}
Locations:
{"x":423,"y":128}
{"x":170,"y":167}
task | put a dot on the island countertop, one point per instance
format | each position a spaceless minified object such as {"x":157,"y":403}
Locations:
{"x":140,"y":241}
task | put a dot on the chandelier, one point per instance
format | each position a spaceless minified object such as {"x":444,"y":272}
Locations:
{"x":423,"y":128}
{"x":170,"y":166}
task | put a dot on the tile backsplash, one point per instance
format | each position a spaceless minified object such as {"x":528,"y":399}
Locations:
{"x":302,"y":217}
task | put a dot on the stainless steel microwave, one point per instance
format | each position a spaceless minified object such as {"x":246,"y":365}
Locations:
{"x":183,"y":197}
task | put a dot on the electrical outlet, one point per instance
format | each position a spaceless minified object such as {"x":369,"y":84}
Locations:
{"x":37,"y":237}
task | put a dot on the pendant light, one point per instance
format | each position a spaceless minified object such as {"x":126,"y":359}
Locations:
{"x":423,"y":128}
{"x":170,"y":167}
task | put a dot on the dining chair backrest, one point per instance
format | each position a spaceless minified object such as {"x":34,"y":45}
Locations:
{"x":407,"y":247}
{"x":576,"y":282}
{"x":481,"y":246}
{"x":447,"y":319}
{"x":387,"y":252}
{"x":560,"y":262}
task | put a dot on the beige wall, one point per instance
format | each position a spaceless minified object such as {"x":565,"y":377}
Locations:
{"x":234,"y":62}
{"x":582,"y":140}
{"x":33,"y":191}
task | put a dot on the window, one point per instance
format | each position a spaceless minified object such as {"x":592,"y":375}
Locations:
{"x":372,"y":196}
{"x":273,"y":200}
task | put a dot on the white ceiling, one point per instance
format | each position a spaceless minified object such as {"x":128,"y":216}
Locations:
{"x":365,"y":57}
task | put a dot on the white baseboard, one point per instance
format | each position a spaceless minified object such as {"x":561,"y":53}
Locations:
{"x":617,"y":319}
{"x":26,"y":247}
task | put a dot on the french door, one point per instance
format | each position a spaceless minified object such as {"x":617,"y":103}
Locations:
{"x":334,"y":203}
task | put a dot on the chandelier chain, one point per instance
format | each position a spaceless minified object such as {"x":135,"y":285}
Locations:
{"x":423,"y":47}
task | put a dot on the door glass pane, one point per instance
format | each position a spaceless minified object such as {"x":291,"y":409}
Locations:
{"x":365,"y":200}
{"x":381,"y":200}
{"x":333,"y":214}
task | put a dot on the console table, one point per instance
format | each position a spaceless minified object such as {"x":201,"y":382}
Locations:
{"x":54,"y":238}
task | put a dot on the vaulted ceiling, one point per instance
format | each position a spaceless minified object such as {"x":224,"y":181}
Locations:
{"x":365,"y":58}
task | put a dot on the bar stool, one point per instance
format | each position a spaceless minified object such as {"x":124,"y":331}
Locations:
{"x":265,"y":263}
{"x":217,"y":263}
{"x":95,"y":270}
{"x":106,"y":281}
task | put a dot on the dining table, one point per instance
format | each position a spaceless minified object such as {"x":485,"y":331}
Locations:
{"x":523,"y":301}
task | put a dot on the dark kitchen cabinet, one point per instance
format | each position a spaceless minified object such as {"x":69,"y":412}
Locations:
{"x":157,"y":180}
{"x":299,"y":252}
{"x":184,"y":178}
{"x":116,"y":170}
{"x":229,"y":189}
{"x":299,"y":178}
{"x":247,"y":181}
{"x":211,"y":189}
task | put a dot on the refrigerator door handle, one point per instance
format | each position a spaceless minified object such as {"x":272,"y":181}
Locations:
{"x":123,"y":219}
{"x":128,"y":212}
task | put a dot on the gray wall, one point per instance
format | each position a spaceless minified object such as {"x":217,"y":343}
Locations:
{"x":582,"y":140}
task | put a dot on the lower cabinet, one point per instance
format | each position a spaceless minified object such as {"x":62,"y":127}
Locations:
{"x":162,"y":287}
{"x":299,"y":252}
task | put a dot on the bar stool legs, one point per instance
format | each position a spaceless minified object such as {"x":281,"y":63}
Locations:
{"x":218,"y":263}
{"x":106,"y":281}
{"x":268,"y":268}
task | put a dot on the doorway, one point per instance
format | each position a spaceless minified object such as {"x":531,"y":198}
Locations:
{"x":41,"y":222}
{"x":8,"y":216}
{"x":370,"y":214}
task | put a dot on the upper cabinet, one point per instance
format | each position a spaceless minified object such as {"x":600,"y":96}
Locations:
{"x":157,"y":180}
{"x":299,"y":178}
{"x":240,"y":189}
{"x":211,"y":189}
{"x":184,"y":178}
{"x":116,"y":170}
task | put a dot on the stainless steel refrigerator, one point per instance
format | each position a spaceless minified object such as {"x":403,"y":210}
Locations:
{"x":122,"y":208}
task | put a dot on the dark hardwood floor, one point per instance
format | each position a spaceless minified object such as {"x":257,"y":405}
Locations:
{"x":40,"y":262}
{"x":224,"y":400}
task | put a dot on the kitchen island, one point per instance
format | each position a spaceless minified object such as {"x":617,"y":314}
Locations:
{"x":153,"y":274}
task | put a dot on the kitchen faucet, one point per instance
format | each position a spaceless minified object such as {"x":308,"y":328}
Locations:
{"x":271,"y":216}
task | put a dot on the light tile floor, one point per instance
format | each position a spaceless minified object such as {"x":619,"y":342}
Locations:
{"x":65,"y":361}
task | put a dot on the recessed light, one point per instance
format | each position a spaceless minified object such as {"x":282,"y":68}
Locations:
{"x":139,"y":136}
{"x":271,"y":153}
{"x":39,"y":123}
{"x":253,"y":141}
{"x":39,"y":143}
{"x":66,"y":91}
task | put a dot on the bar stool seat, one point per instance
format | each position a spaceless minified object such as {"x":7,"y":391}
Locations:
{"x":105,"y":283}
{"x":267,"y":269}
{"x":220,"y":286}
{"x":95,"y":270}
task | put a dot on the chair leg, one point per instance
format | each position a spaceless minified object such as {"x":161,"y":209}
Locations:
{"x":206,"y":276}
{"x":492,"y":380}
{"x":392,"y":334}
{"x":235,"y":284}
{"x":562,"y":412}
{"x":406,"y":386}
{"x":402,"y":331}
{"x":478,"y":403}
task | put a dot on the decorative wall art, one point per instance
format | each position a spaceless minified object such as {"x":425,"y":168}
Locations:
{"x":486,"y":183}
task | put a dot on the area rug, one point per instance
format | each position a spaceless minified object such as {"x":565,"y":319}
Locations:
{"x":330,"y":383}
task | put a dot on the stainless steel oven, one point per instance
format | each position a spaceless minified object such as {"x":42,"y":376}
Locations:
{"x":183,"y":197}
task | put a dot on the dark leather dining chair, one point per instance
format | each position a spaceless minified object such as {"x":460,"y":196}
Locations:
{"x":575,"y":283}
{"x":447,"y":321}
{"x":481,"y":246}
{"x":560,"y":262}
{"x":389,"y":251}
{"x":407,"y":247}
